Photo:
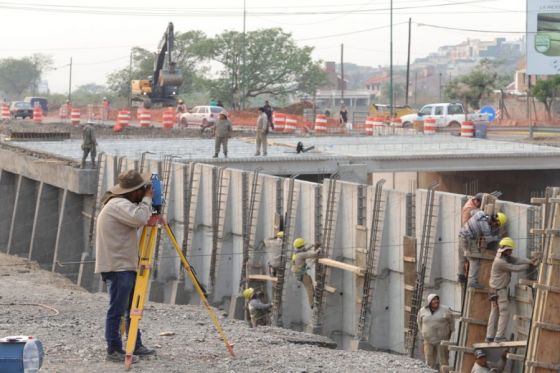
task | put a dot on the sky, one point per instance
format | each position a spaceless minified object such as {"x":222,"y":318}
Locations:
{"x":98,"y":35}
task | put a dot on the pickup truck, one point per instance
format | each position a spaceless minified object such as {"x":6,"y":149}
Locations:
{"x":449,"y":115}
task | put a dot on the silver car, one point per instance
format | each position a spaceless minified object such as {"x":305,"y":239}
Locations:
{"x":201,"y":115}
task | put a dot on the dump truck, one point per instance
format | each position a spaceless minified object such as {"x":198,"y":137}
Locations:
{"x":161,"y":88}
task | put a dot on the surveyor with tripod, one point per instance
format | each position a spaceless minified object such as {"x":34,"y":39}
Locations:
{"x":126,"y":208}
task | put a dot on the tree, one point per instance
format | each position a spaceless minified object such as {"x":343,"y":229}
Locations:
{"x":88,"y":94}
{"x":398,"y":92}
{"x":142,"y":68}
{"x":272,"y":64}
{"x":546,"y":92}
{"x":22,"y":75}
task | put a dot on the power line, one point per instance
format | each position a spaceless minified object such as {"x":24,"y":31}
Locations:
{"x":470,"y":30}
{"x":351,"y":32}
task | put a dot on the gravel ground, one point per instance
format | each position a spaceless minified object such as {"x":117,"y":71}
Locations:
{"x":73,"y":338}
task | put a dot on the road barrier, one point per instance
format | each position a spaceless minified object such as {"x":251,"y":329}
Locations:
{"x":75,"y":116}
{"x":144,"y":117}
{"x":369,"y":126}
{"x":291,"y":124}
{"x":168,"y":118}
{"x":430,"y":126}
{"x":123,"y":118}
{"x":378,"y":125}
{"x":37,"y":114}
{"x":320,"y":124}
{"x":279,"y":121}
{"x":396,"y":123}
{"x":5,"y":112}
{"x":467,"y":129}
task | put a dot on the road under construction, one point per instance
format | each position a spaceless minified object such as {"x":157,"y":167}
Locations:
{"x":384,"y":208}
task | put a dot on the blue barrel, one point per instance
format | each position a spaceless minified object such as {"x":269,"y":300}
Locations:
{"x":20,"y":354}
{"x":480,"y":130}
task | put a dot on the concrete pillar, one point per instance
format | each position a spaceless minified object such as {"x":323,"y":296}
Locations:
{"x":22,"y":217}
{"x":8,"y":194}
{"x":43,"y":237}
{"x":355,"y":173}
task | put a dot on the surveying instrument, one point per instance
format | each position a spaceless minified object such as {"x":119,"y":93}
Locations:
{"x":146,"y":251}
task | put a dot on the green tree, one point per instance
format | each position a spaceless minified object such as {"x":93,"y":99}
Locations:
{"x":546,"y":92}
{"x":18,"y":76}
{"x":398,"y":92}
{"x":271,"y":65}
{"x":142,"y":67}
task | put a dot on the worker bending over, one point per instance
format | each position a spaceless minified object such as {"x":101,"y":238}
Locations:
{"x":480,"y":225}
{"x":274,"y":247}
{"x":258,"y":310}
{"x":500,"y":276}
{"x":436,"y":324}
{"x":299,"y":265}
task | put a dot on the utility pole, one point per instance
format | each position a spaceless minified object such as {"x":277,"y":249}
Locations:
{"x":439,"y":87}
{"x":70,"y":82}
{"x":408,"y":62}
{"x":391,"y":64}
{"x":130,"y":81}
{"x":342,"y":72}
{"x":415,"y":87}
{"x":243,"y":82}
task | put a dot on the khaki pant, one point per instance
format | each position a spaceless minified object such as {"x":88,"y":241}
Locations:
{"x":220,"y":141}
{"x":499,"y":316}
{"x":308,"y":285}
{"x":92,"y":151}
{"x":431,"y":353}
{"x":261,"y":140}
{"x":466,"y":247}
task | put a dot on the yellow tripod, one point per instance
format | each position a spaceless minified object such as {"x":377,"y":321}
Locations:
{"x":146,"y":252}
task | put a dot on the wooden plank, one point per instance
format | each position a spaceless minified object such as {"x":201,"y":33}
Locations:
{"x":540,"y":364}
{"x":473,"y":321}
{"x":330,"y":289}
{"x":461,"y":348}
{"x":408,"y":308}
{"x":526,"y":282}
{"x":515,"y":357}
{"x":512,"y":344}
{"x":409,"y":259}
{"x":262,"y":278}
{"x":548,"y":326}
{"x":523,"y":300}
{"x":343,"y":266}
{"x":553,"y":289}
{"x":538,"y":201}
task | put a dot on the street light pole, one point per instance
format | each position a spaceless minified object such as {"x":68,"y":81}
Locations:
{"x":391,"y":64}
{"x":70,"y":82}
{"x":243,"y":83}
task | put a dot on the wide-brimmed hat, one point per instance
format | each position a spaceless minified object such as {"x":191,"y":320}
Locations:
{"x":129,"y":181}
{"x":224,"y":113}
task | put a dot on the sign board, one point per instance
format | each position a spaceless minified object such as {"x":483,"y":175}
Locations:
{"x":489,"y":111}
{"x":543,"y":37}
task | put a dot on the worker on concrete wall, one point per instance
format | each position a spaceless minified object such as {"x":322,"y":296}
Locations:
{"x":482,"y":365}
{"x":436,"y":324}
{"x":89,"y":144}
{"x":258,"y":311}
{"x":500,"y":276}
{"x":471,"y":207}
{"x":180,"y":109}
{"x":126,"y":208}
{"x":274,"y":247}
{"x":299,"y":265}
{"x":222,"y":133}
{"x":262,"y":132}
{"x":480,"y":225}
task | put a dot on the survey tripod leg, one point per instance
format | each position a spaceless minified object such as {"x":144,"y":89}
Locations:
{"x":146,"y":248}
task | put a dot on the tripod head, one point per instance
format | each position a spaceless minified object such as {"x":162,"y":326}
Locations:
{"x":157,"y":198}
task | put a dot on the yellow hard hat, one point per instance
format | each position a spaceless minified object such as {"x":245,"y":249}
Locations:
{"x":248,"y":293}
{"x":507,"y":242}
{"x":299,"y":243}
{"x":280,"y":234}
{"x":502,"y":218}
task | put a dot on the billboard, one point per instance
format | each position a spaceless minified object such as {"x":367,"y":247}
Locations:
{"x":543,"y":37}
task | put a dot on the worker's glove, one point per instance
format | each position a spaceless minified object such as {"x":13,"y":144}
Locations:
{"x":493,"y":297}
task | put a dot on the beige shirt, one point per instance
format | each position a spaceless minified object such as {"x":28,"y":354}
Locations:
{"x":223,"y":128}
{"x":262,"y":123}
{"x":500,"y":275}
{"x":116,"y":237}
{"x":437,"y":326}
{"x":299,"y":258}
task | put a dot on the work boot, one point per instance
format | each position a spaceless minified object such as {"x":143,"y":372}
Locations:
{"x":489,"y":339}
{"x":499,"y":339}
{"x":83,"y":165}
{"x":257,"y":154}
{"x":476,"y":285}
{"x":144,"y":351}
{"x":118,"y":357}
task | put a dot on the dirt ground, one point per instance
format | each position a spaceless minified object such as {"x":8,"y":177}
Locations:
{"x":70,"y":323}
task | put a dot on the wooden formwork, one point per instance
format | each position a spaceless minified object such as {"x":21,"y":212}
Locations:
{"x":409,"y":265}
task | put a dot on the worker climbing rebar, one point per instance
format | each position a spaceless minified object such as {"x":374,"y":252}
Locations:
{"x":258,"y":311}
{"x":299,"y":265}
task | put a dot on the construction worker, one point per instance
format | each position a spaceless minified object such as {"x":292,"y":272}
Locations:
{"x":222,"y":132}
{"x":480,"y":225}
{"x":89,"y":144}
{"x":262,"y":132}
{"x":258,"y":311}
{"x":500,"y":276}
{"x":274,"y":246}
{"x":436,"y":324}
{"x":105,"y":109}
{"x":268,"y":111}
{"x":343,"y":115}
{"x":471,"y":207}
{"x":299,"y":265}
{"x":126,"y":208}
{"x":482,"y":365}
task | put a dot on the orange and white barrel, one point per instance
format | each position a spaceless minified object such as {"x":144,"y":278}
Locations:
{"x":396,"y":122}
{"x":291,"y":124}
{"x":123,"y":118}
{"x":5,"y":112}
{"x":429,"y":126}
{"x":117,"y":127}
{"x":75,"y":116}
{"x":64,"y":111}
{"x":321,"y":124}
{"x":279,"y":121}
{"x":378,"y":125}
{"x":37,"y":113}
{"x":369,"y":126}
{"x":144,"y":117}
{"x":168,"y":118}
{"x":467,"y":129}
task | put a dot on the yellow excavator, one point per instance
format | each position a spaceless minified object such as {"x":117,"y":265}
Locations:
{"x":162,"y":87}
{"x":379,"y":110}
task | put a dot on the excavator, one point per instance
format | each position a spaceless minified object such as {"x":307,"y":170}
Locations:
{"x":160,"y":88}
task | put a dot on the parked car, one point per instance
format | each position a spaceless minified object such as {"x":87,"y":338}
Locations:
{"x":449,"y":114}
{"x":201,"y":115}
{"x":41,"y":100}
{"x":21,"y":109}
